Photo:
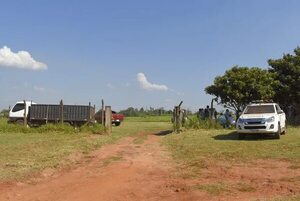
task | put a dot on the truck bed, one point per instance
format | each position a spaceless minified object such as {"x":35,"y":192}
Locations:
{"x":52,"y":113}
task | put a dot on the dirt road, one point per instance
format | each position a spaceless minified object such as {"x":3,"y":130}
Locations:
{"x":133,"y":169}
{"x":139,"y":168}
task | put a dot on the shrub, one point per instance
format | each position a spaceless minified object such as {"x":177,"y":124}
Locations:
{"x":195,"y":123}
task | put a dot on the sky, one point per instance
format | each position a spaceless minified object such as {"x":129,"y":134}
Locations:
{"x":136,"y":53}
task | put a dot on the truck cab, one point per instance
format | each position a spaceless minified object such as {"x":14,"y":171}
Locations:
{"x":16,"y":114}
{"x":263,"y":118}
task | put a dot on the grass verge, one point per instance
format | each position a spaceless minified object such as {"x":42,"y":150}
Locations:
{"x":194,"y":148}
{"x":149,"y":119}
{"x":224,"y":145}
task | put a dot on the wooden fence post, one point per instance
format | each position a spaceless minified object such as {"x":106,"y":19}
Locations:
{"x":102,"y":112}
{"x":90,"y":113}
{"x":108,"y":124}
{"x":61,"y":111}
{"x":25,"y":114}
{"x":47,"y":114}
{"x":177,"y":118}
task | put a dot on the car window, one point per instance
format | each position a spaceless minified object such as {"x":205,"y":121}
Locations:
{"x":259,"y":109}
{"x":18,"y":107}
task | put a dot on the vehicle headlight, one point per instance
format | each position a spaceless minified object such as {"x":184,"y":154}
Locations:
{"x":271,"y":119}
{"x":240,"y":121}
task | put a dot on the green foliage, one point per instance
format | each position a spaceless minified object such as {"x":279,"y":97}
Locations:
{"x":4,"y":113}
{"x":92,"y":128}
{"x":165,"y":118}
{"x":53,"y":128}
{"x":49,"y":128}
{"x":241,"y":85}
{"x":134,"y":112}
{"x":195,"y":123}
{"x":287,"y":71}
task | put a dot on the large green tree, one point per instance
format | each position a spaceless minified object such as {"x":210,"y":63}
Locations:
{"x":287,"y":71}
{"x":241,"y":85}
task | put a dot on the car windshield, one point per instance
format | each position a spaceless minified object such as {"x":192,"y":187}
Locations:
{"x":259,"y":109}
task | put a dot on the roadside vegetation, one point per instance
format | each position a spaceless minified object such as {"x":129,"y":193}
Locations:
{"x":165,"y":118}
{"x":193,"y":122}
{"x":49,"y":128}
{"x":28,"y":152}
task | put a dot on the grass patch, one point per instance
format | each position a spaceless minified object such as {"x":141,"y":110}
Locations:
{"x":149,"y":119}
{"x":213,"y":189}
{"x":49,"y":128}
{"x":194,"y":122}
{"x":293,"y":198}
{"x":216,"y":189}
{"x":24,"y":154}
{"x":194,"y":148}
{"x":109,"y":160}
{"x":243,"y":187}
{"x":140,"y":139}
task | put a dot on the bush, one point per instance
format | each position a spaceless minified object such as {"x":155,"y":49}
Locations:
{"x":195,"y":123}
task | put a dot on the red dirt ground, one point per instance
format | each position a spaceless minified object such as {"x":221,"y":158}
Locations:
{"x":143,"y":170}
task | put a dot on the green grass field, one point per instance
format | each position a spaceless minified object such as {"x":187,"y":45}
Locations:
{"x":196,"y":147}
{"x":24,"y":154}
{"x":149,"y":119}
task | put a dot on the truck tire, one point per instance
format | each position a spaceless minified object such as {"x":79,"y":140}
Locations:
{"x":117,"y":123}
{"x":20,"y":122}
{"x":278,"y":133}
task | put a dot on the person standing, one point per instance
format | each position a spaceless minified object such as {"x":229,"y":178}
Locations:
{"x":227,"y":118}
{"x":206,"y":112}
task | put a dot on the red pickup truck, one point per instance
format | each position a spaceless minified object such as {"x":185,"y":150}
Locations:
{"x":116,"y":118}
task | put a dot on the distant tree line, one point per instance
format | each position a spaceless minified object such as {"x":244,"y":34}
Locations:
{"x":135,"y":112}
{"x":281,"y":83}
{"x":4,"y":113}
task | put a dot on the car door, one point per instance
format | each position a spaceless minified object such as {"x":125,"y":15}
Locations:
{"x":281,"y":116}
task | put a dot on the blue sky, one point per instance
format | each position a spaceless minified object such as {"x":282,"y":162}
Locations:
{"x":95,"y":49}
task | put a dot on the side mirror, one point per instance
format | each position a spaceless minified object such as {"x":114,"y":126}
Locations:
{"x":279,"y":111}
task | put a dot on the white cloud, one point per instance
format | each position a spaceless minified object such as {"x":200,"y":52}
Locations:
{"x":109,"y":85}
{"x":39,"y":89}
{"x":20,"y":60}
{"x":145,"y":84}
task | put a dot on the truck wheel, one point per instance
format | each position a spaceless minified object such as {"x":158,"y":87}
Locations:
{"x":117,"y":123}
{"x":277,"y":134}
{"x":241,"y":136}
{"x":20,"y":122}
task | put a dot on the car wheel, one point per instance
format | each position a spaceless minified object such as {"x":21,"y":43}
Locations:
{"x":277,"y":134}
{"x":117,"y":123}
{"x":284,"y":131}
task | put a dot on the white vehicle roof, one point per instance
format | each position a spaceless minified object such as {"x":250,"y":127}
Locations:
{"x":258,"y":104}
{"x":27,"y":102}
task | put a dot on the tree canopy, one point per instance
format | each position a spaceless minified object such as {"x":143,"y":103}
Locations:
{"x":241,"y":85}
{"x":287,"y":72}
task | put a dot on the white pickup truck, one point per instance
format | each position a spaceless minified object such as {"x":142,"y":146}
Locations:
{"x":262,"y":118}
